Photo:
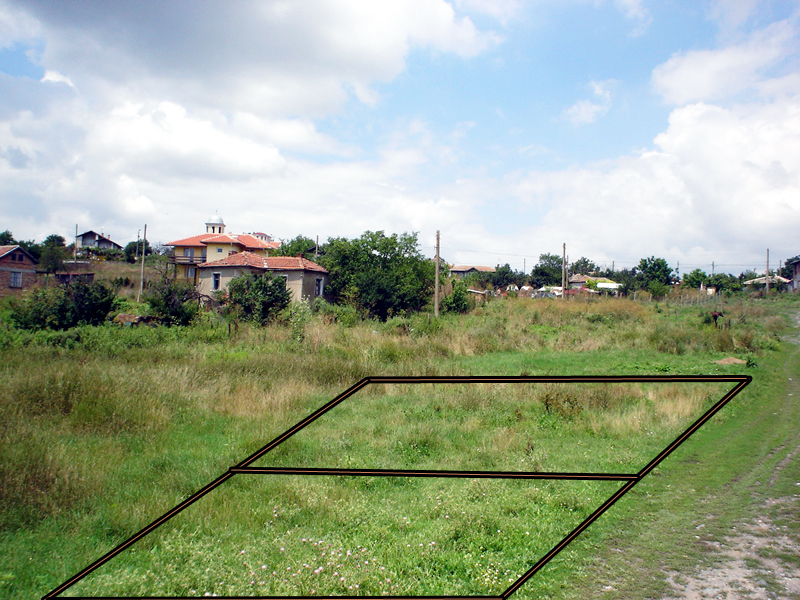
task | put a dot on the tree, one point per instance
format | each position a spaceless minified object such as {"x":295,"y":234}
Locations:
{"x":747,"y":275}
{"x":65,"y":306}
{"x":653,"y":269}
{"x":133,"y":250}
{"x":379,"y":275}
{"x":724,"y":281}
{"x":53,"y":254}
{"x":657,"y":289}
{"x":173,"y":301}
{"x":7,"y":238}
{"x":505,"y":275}
{"x":256,"y":298}
{"x":300,"y":245}
{"x":695,"y":279}
{"x":547,"y":271}
{"x":786,"y":270}
{"x":583,"y":265}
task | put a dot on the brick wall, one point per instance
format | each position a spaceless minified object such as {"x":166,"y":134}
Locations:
{"x":8,"y":266}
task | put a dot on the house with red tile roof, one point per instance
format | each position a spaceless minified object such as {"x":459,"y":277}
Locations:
{"x":17,"y":270}
{"x":214,"y":245}
{"x":304,"y":279}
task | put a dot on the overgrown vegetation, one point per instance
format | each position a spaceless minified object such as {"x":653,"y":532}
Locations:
{"x":255,"y":298}
{"x":65,"y":306}
{"x":103,"y":429}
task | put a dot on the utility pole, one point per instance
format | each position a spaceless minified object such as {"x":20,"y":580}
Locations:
{"x":138,"y":237}
{"x":564,"y":271}
{"x":76,"y":244}
{"x":141,"y":282}
{"x":712,"y":268}
{"x":436,"y":281}
{"x":766,"y":291}
{"x":316,"y":249}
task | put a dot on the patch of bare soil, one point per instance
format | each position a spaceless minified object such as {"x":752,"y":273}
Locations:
{"x":761,"y":561}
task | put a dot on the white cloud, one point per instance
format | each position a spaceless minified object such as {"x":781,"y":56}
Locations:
{"x":725,"y":180}
{"x":57,"y":77}
{"x":584,"y":112}
{"x":634,"y":10}
{"x":16,"y":26}
{"x":272,"y":59}
{"x":164,"y":141}
{"x":502,"y":10}
{"x":732,"y":15}
{"x":710,"y":75}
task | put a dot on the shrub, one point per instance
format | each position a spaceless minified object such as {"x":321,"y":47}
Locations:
{"x":298,"y":315}
{"x":66,"y":306}
{"x":256,"y":298}
{"x":459,"y":301}
{"x":346,"y":316}
{"x":173,"y":302}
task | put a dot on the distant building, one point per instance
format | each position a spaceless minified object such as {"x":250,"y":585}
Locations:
{"x":461,"y":271}
{"x":92,"y":239}
{"x":215,"y":245}
{"x":17,"y":270}
{"x":304,"y":278}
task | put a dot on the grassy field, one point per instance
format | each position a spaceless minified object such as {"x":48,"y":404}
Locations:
{"x":105,"y":429}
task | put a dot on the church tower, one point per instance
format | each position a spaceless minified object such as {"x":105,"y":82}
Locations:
{"x":215,"y":224}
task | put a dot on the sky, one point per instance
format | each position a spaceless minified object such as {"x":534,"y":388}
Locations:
{"x":621,"y":128}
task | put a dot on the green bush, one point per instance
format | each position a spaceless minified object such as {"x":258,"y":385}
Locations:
{"x":63,"y":307}
{"x":459,"y":301}
{"x":346,"y":316}
{"x":173,"y":302}
{"x":256,"y":298}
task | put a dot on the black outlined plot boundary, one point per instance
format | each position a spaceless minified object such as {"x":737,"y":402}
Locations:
{"x":627,"y":480}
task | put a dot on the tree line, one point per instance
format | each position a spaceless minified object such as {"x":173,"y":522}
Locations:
{"x":374,"y":276}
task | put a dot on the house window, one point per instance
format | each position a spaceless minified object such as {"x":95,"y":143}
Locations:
{"x":16,"y":279}
{"x":219,"y":250}
{"x":217,"y":278}
{"x":319,"y":286}
{"x":190,"y":271}
{"x":188,"y":252}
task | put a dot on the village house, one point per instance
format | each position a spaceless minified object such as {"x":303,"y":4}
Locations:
{"x":17,"y":270}
{"x":304,"y":279}
{"x":92,"y":239}
{"x":578,"y":281}
{"x":461,"y":271}
{"x":214,"y":245}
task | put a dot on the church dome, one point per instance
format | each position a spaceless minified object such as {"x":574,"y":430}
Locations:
{"x":215,"y":224}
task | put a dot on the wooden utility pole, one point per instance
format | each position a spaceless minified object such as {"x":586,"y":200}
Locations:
{"x":75,"y":253}
{"x":564,"y":271}
{"x":141,"y":281}
{"x":766,"y":291}
{"x":436,"y":280}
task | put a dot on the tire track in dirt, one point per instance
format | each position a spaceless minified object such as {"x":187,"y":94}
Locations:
{"x":761,"y":561}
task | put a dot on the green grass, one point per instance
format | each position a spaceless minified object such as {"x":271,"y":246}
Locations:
{"x":104,"y":429}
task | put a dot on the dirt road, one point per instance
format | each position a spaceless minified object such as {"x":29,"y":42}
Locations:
{"x":761,"y":560}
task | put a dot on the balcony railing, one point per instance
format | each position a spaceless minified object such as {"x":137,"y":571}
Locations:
{"x":188,"y":260}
